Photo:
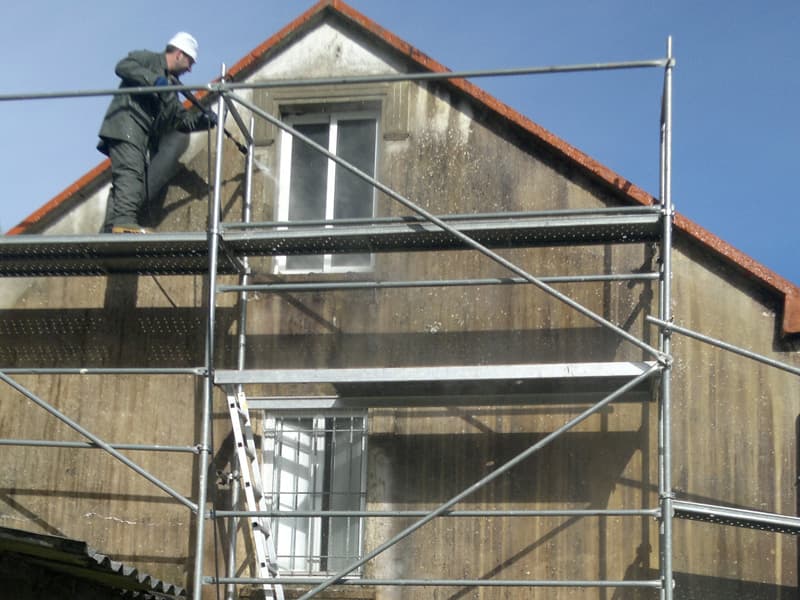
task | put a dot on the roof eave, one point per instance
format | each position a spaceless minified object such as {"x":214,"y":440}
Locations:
{"x":61,"y":201}
{"x":790,"y":323}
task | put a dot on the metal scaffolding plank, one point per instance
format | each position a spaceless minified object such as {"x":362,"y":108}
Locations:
{"x":737,"y":517}
{"x":521,"y":231}
{"x":443,"y":385}
{"x":187,"y":253}
{"x":157,"y":253}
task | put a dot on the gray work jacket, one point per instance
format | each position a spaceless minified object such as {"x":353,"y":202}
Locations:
{"x":142,"y":119}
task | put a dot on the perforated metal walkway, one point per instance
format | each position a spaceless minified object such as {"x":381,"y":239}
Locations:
{"x":736,"y":517}
{"x":187,"y":253}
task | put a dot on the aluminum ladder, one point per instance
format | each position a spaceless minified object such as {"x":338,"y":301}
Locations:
{"x":250,"y":475}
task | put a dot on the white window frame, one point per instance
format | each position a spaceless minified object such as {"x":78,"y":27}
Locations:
{"x":298,"y":540}
{"x":285,"y":170}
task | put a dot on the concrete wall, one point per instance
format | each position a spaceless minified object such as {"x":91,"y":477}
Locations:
{"x":734,"y":434}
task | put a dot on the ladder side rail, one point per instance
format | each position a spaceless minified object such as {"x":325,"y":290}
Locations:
{"x":254,"y":493}
{"x":244,"y":280}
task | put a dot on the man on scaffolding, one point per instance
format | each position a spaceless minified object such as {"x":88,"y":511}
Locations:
{"x":135,"y":124}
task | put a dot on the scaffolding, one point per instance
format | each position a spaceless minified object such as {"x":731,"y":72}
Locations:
{"x":225,"y":248}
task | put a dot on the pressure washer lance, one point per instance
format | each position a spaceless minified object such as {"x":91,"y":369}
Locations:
{"x":193,"y":99}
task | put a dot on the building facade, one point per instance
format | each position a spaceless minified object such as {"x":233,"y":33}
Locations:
{"x":388,"y":367}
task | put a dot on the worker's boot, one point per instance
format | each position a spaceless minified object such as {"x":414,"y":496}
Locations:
{"x":130,"y":229}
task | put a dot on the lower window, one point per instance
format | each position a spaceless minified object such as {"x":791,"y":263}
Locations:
{"x":315,"y":464}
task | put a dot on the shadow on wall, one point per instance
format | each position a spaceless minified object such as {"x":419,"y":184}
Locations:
{"x":174,"y":336}
{"x":594,"y":462}
{"x":703,"y":587}
{"x":122,"y":336}
{"x":193,"y":186}
{"x":590,"y":344}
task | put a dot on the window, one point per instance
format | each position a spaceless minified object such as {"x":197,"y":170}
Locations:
{"x":315,"y":464}
{"x":314,"y":188}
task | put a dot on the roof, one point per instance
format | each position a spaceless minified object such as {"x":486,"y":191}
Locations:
{"x":74,"y":558}
{"x":626,"y":189}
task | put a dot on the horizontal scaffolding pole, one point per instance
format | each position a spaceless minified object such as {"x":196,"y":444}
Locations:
{"x":91,"y":445}
{"x":725,"y":346}
{"x":195,"y":371}
{"x":579,"y":512}
{"x":222,"y":86}
{"x":319,"y":286}
{"x":459,"y":217}
{"x":577,"y":583}
{"x":434,"y":76}
{"x":126,"y":91}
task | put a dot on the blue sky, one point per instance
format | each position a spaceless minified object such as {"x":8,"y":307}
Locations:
{"x":736,"y":89}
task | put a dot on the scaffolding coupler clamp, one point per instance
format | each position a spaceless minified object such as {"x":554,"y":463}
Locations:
{"x":665,"y":496}
{"x":667,"y":211}
{"x":665,"y":361}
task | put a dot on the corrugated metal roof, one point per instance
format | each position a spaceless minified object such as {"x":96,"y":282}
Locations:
{"x":76,"y":558}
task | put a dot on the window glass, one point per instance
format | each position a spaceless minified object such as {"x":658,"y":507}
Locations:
{"x":309,"y":180}
{"x":320,"y":189}
{"x":308,"y":186}
{"x":315,"y":464}
{"x":353,"y":197}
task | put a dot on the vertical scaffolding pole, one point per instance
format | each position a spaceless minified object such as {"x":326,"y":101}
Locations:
{"x":208,"y":389}
{"x":665,"y":312}
{"x":244,"y":281}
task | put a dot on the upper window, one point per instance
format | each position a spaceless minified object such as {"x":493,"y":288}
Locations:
{"x":315,"y":188}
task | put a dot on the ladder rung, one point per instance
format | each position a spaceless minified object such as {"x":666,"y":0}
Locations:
{"x":259,"y":526}
{"x":248,"y":433}
{"x":250,"y":452}
{"x":257,"y":491}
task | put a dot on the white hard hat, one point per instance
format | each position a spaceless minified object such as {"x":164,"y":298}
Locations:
{"x":185,"y":43}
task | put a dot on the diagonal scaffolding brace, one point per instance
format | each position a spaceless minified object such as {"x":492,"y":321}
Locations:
{"x":443,"y":508}
{"x":97,"y":441}
{"x":457,"y":233}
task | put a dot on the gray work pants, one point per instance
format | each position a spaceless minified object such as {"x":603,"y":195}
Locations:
{"x":135,"y":180}
{"x":128,"y":183}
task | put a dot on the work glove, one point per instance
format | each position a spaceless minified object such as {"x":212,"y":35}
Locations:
{"x":210,"y":119}
{"x":161,"y":81}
